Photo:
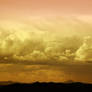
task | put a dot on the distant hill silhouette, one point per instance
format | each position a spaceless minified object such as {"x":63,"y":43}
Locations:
{"x":69,"y":81}
{"x":45,"y":86}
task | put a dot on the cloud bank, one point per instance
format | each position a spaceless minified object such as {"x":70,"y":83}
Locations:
{"x":61,"y":45}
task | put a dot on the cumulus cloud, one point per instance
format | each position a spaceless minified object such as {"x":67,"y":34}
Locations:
{"x":32,"y":48}
{"x":84,"y":53}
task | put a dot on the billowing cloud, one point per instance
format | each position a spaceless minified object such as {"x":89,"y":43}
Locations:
{"x":62,"y":46}
{"x":84,"y":53}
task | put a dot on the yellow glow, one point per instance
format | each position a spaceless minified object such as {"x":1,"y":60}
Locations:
{"x":45,"y":49}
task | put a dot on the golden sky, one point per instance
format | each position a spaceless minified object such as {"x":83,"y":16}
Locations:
{"x":46,"y":40}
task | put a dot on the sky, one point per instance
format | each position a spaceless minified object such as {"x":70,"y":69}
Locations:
{"x":46,"y":40}
{"x":45,"y":7}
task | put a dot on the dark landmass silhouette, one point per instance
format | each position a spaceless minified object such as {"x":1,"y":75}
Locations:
{"x":46,"y":86}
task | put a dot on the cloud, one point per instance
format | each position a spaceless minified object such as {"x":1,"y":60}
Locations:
{"x":27,"y":49}
{"x":31,"y":47}
{"x":84,"y":53}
